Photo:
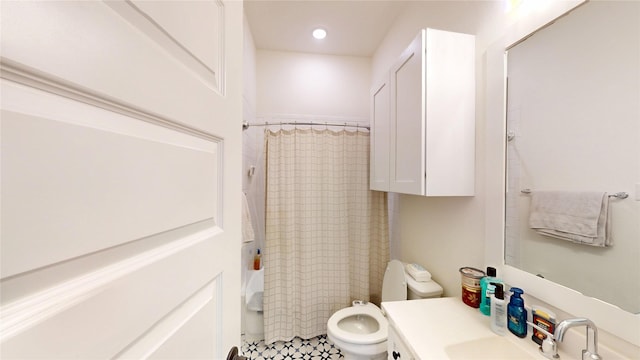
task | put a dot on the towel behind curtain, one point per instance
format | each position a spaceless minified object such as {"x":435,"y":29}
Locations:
{"x":326,"y":232}
{"x":247,"y":228}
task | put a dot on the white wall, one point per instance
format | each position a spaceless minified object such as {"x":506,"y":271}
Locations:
{"x":442,"y":234}
{"x":326,"y":86}
{"x":459,"y":16}
{"x":248,"y":73}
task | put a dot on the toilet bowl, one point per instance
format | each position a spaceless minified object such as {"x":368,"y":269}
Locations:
{"x":360,"y":331}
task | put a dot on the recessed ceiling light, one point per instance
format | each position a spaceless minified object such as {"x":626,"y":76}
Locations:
{"x":319,"y":33}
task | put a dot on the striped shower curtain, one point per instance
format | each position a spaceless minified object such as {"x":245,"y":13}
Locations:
{"x":326,"y":232}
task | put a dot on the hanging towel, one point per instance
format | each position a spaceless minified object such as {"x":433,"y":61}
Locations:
{"x":247,"y":227}
{"x":580,"y":217}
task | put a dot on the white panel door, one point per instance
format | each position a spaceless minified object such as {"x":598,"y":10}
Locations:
{"x":407,"y":163}
{"x":121,"y":151}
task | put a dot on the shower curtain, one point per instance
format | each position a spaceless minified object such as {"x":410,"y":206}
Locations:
{"x":326,"y":232}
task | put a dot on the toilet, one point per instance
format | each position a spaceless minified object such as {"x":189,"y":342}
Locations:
{"x":360,"y":331}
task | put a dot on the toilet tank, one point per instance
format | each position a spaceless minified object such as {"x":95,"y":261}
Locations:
{"x":422,"y":290}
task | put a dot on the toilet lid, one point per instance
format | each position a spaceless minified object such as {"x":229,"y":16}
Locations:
{"x":394,"y":284}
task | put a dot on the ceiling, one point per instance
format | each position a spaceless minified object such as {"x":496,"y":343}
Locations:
{"x":354,"y":28}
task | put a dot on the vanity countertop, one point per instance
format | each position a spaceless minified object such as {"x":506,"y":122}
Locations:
{"x":446,"y":328}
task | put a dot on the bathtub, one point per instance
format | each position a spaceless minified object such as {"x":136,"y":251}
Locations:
{"x":253,"y":307}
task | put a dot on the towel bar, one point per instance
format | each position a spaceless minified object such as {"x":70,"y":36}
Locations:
{"x":619,"y":195}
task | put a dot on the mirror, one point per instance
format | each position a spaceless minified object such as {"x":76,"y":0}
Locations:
{"x":573,"y":124}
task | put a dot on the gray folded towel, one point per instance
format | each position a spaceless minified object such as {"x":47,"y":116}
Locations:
{"x":580,"y":217}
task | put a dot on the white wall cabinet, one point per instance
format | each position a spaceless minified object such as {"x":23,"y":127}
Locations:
{"x":429,"y":134}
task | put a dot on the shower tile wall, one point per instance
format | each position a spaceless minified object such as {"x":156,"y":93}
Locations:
{"x":253,"y":187}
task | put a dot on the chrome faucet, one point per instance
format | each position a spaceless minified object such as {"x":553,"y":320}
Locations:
{"x":591,"y":352}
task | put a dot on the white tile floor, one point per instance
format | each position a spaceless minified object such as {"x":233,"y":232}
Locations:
{"x":318,"y":348}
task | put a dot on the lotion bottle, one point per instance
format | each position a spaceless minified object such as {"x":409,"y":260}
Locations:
{"x":257,"y":261}
{"x":498,"y":316}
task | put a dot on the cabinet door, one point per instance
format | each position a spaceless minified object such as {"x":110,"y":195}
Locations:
{"x":396,"y":348}
{"x":450,"y":113}
{"x":407,"y":126}
{"x":379,"y":172}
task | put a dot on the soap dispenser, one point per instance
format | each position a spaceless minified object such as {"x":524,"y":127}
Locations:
{"x":517,"y":314}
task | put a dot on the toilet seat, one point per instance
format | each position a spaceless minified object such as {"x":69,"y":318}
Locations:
{"x":355,"y":338}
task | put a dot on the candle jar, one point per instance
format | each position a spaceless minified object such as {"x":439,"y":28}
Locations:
{"x":470,"y":278}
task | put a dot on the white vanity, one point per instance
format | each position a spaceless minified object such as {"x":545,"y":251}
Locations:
{"x":446,"y":328}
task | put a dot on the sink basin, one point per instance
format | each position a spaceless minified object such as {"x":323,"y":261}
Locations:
{"x":495,"y":347}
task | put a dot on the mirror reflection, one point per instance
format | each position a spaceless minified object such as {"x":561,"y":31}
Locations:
{"x":573,"y":124}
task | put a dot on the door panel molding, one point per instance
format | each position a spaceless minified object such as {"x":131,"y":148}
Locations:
{"x":59,"y":176}
{"x":29,"y":311}
{"x":146,"y":18}
{"x":22,"y":74}
{"x":205,"y":302}
{"x":93,"y":46}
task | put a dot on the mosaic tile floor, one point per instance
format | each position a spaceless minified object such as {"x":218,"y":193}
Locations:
{"x":318,"y":348}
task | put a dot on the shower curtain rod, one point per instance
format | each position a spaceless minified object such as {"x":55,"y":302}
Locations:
{"x":246,"y":125}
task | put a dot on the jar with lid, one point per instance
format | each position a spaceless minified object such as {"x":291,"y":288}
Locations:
{"x":470,"y":278}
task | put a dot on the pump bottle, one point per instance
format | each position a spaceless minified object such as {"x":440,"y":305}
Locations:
{"x":498,"y":316}
{"x":485,"y":296}
{"x":517,"y":314}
